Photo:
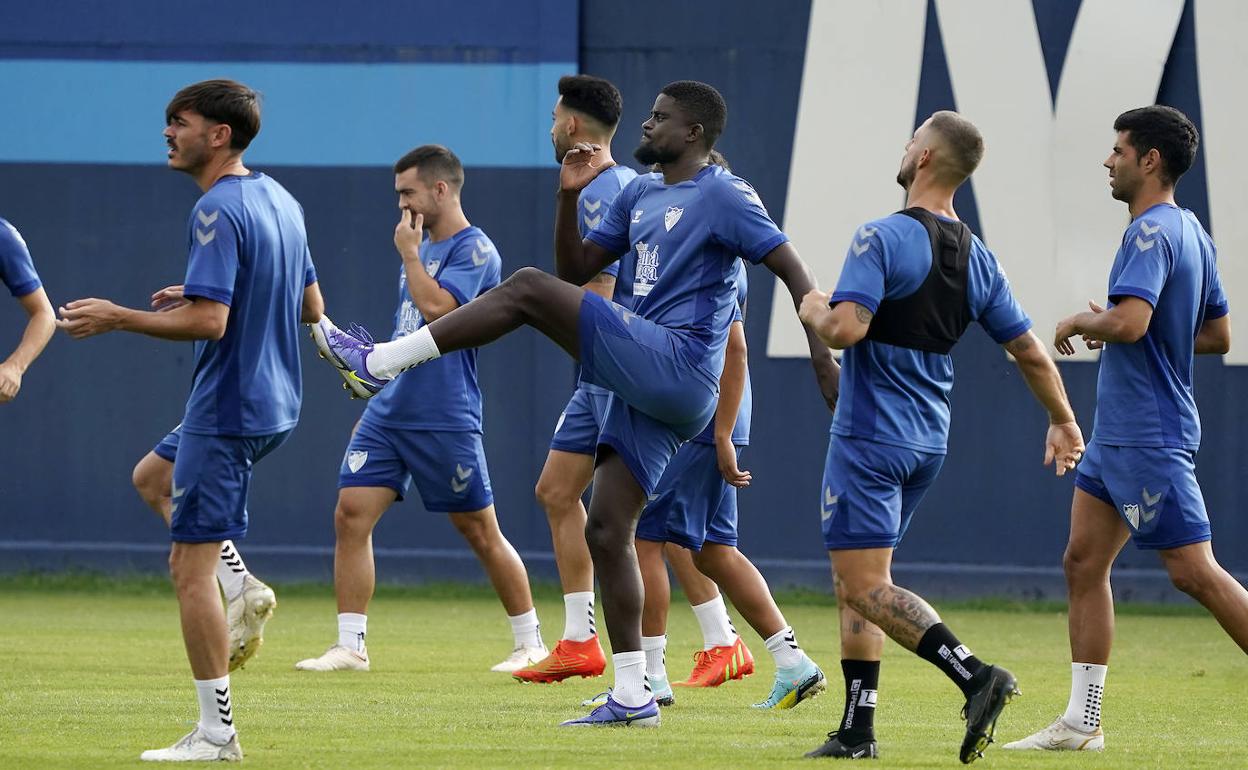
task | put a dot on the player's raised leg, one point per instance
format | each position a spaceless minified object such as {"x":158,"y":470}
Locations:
{"x":511,"y":582}
{"x":356,"y":514}
{"x":564,"y":478}
{"x":249,"y":602}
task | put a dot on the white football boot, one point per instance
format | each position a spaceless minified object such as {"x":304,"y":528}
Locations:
{"x":195,"y":747}
{"x":246,"y":615}
{"x":336,"y":658}
{"x":1060,"y":736}
{"x":521,"y":657}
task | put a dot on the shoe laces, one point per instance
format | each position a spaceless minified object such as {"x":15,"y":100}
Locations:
{"x":359,"y":332}
{"x":701,"y":662}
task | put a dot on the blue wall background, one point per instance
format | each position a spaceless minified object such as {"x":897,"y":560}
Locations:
{"x":82,"y":175}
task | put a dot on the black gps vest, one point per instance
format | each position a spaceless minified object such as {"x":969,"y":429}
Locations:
{"x":934,"y":317}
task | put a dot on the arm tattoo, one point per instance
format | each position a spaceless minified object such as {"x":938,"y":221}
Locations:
{"x":862,"y":314}
{"x":1020,"y":343}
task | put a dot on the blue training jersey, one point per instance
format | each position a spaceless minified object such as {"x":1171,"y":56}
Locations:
{"x":741,"y":429}
{"x":1144,"y":389}
{"x":248,"y":250}
{"x":896,"y":395}
{"x":595,"y":200}
{"x":442,"y":394}
{"x":679,"y":246}
{"x":17,"y":270}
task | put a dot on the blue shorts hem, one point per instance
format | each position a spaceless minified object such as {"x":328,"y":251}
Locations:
{"x":731,"y":543}
{"x":1094,"y":489}
{"x":685,"y":542}
{"x":576,"y":449}
{"x":231,"y":534}
{"x":634,"y":465}
{"x":165,"y":454}
{"x":466,"y":509}
{"x":862,"y":545}
{"x":1174,"y":544}
{"x":370,"y":483}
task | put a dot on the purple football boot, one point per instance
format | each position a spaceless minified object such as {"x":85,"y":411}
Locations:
{"x":612,"y":714}
{"x":348,"y":352}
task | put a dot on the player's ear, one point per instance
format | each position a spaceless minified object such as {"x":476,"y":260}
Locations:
{"x":696,"y":132}
{"x":1151,"y":160}
{"x":220,"y":134}
{"x":572,"y":125}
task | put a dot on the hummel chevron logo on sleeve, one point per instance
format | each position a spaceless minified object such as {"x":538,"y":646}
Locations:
{"x":1149,"y":230}
{"x":1144,"y":245}
{"x":207,"y":219}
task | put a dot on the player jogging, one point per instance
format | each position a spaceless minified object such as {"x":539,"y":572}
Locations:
{"x":682,"y":230}
{"x":588,"y":110}
{"x":911,"y":285}
{"x":249,"y":279}
{"x":1138,"y":479}
{"x":426,"y":428}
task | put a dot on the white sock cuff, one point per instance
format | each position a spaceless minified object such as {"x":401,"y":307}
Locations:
{"x":389,"y":359}
{"x":714,"y":604}
{"x":626,"y":659}
{"x":580,"y":596}
{"x":653,"y":643}
{"x":524,"y":620}
{"x":353,"y":622}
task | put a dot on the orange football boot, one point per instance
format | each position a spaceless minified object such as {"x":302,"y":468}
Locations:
{"x":713,"y":667}
{"x":568,"y":659}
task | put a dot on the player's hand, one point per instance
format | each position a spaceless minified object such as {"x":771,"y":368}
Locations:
{"x":168,"y":298}
{"x":1063,"y":446}
{"x":814,"y":304}
{"x":10,"y":381}
{"x":726,"y":454}
{"x":1092,"y":343}
{"x":580,"y":166}
{"x":88,"y":317}
{"x":1066,"y":328}
{"x":408,"y":234}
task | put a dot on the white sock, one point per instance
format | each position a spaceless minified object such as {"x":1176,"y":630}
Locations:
{"x":717,"y":629}
{"x":389,"y":359}
{"x":631,"y":690}
{"x":216,"y":708}
{"x":654,"y":647}
{"x":231,"y":572}
{"x":1087,"y":685}
{"x":578,"y":616}
{"x":784,"y":648}
{"x":352,"y":628}
{"x":526,"y":630}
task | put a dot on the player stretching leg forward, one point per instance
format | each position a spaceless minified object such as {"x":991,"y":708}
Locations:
{"x":682,"y":230}
{"x":588,"y":110}
{"x":249,"y":603}
{"x":427,"y":426}
{"x":1138,"y":480}
{"x":247,"y":282}
{"x":911,"y":285}
{"x":17,"y":272}
{"x":696,"y":511}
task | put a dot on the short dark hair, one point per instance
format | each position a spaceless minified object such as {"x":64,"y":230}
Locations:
{"x":1166,"y":130}
{"x":221,"y":101}
{"x":701,"y":104}
{"x":963,"y":140}
{"x":595,"y":97}
{"x":435,"y":163}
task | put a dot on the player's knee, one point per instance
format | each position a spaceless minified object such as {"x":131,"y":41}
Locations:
{"x":352,"y":519}
{"x":553,"y":497}
{"x":1081,"y":568}
{"x":605,"y":538}
{"x":147,"y":484}
{"x":1193,"y":580}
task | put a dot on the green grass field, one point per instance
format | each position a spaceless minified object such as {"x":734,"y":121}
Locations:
{"x":95,"y":673}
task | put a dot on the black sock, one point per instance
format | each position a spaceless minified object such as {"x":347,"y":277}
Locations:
{"x":862,"y":680}
{"x":943,"y":650}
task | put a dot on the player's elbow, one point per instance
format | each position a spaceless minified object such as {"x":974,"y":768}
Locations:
{"x":213,"y":329}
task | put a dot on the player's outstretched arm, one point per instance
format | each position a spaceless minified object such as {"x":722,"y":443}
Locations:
{"x":199,"y":319}
{"x":731,"y":391}
{"x":1214,"y":336}
{"x":577,"y":260}
{"x":1063,"y":445}
{"x":797,"y":276}
{"x":40,"y":325}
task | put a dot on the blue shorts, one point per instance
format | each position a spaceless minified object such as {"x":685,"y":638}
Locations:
{"x":870,"y":491}
{"x":211,"y":476}
{"x":659,"y":398}
{"x":167,"y":448}
{"x":693,"y":503}
{"x":1154,"y":490}
{"x":581,"y":422}
{"x":448,"y":466}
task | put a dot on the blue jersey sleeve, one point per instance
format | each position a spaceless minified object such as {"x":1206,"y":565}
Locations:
{"x":1216,"y":305}
{"x":612,"y":232}
{"x":309,"y":270}
{"x":17,"y":269}
{"x":862,"y":276}
{"x":992,"y":303}
{"x":212,"y":267}
{"x":473,"y":268}
{"x":1147,"y":257}
{"x":740,"y":221}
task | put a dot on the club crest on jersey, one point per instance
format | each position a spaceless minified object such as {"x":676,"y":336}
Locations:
{"x":356,"y":460}
{"x":432,"y":267}
{"x":671,"y":217}
{"x":647,"y":269}
{"x":637,"y":216}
